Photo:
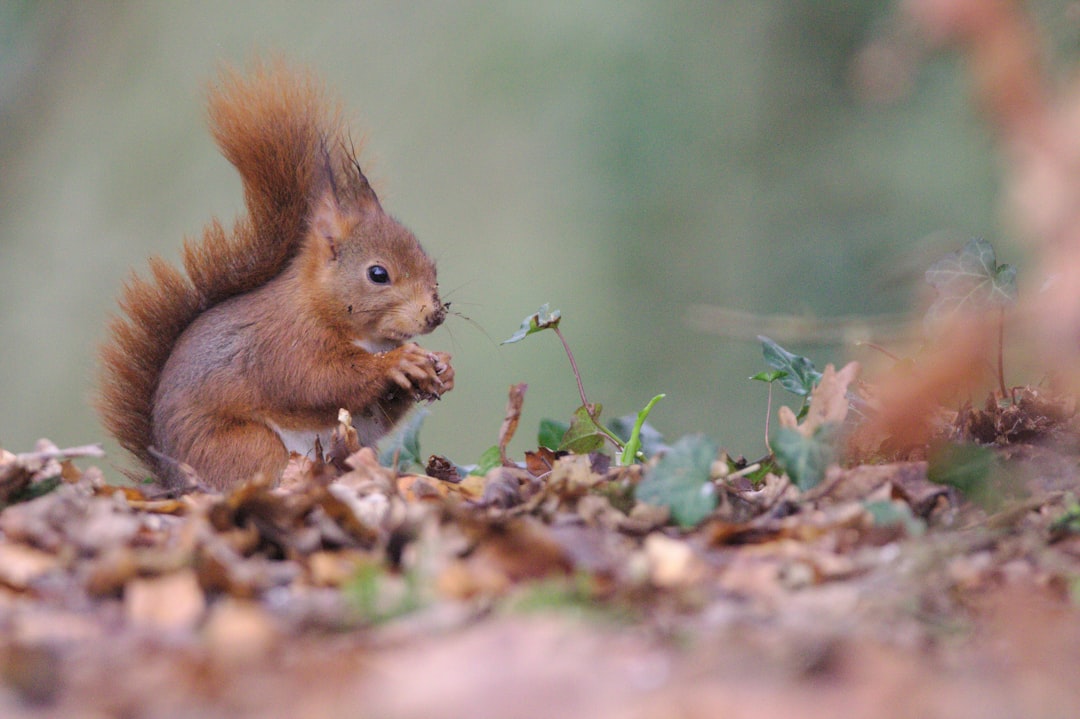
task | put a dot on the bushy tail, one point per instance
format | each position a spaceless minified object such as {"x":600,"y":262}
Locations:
{"x":275,"y":126}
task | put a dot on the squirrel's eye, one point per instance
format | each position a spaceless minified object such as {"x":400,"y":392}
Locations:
{"x":378,"y":274}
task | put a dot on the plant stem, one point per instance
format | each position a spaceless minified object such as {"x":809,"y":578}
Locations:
{"x":1001,"y":354}
{"x":615,"y":441}
{"x":768,"y":413}
{"x":573,"y":366}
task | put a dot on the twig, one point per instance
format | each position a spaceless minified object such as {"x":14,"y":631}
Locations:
{"x":86,"y":450}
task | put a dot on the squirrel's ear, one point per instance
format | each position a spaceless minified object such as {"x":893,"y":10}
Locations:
{"x":329,"y":223}
{"x":358,"y":194}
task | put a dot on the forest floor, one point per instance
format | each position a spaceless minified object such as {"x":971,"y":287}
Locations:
{"x":540,"y":591}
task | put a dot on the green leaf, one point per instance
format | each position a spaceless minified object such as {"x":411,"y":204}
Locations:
{"x":551,"y":433}
{"x":969,"y":468}
{"x":405,"y":441}
{"x":680,"y":481}
{"x":488,"y":461}
{"x":652,"y":442}
{"x":804,"y":459}
{"x":887,"y":513}
{"x":768,"y":377}
{"x":969,"y":280}
{"x":559,"y":594}
{"x":584,"y":434}
{"x":380,"y":596}
{"x":33,"y":490}
{"x":633,"y":445}
{"x":799,"y":376}
{"x":1067,"y":524}
{"x":542,"y":319}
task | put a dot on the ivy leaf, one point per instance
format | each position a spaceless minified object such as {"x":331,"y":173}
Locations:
{"x":969,"y":280}
{"x":551,"y":433}
{"x":804,"y":458}
{"x":769,"y":377}
{"x":405,"y":442}
{"x":887,"y":513}
{"x":680,"y":481}
{"x":799,"y":375}
{"x":584,"y":434}
{"x":973,"y":470}
{"x":542,"y":319}
{"x":489,"y":460}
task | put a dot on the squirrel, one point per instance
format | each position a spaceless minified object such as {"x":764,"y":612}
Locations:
{"x":308,"y":305}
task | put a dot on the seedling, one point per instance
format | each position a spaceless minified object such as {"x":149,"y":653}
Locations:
{"x":971,"y":281}
{"x":584,"y":433}
{"x":795,"y":373}
{"x":805,"y":444}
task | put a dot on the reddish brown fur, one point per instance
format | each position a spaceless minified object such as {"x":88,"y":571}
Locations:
{"x":261,"y":336}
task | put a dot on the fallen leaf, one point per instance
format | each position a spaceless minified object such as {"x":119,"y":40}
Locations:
{"x":829,"y":401}
{"x":672,"y":562}
{"x":442,"y":469}
{"x":21,"y":565}
{"x":170,"y":603}
{"x":514,"y":404}
{"x":239,"y":631}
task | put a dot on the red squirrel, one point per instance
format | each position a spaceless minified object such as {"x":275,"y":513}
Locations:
{"x":306,"y":306}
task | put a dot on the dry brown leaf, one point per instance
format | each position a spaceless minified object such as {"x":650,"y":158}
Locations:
{"x":239,"y":631}
{"x":442,"y":469}
{"x":21,"y":565}
{"x":107,"y":574}
{"x":344,"y":442}
{"x":504,"y":553}
{"x":417,"y":488}
{"x":170,"y":603}
{"x":672,"y":562}
{"x":514,"y":404}
{"x":362,"y":517}
{"x":333,"y":569}
{"x":540,"y":462}
{"x":829,"y":401}
{"x":298,"y":474}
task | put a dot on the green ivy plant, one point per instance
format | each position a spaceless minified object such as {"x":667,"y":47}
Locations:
{"x":971,"y":281}
{"x":584,"y":433}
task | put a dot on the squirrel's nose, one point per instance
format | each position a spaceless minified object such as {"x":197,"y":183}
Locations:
{"x":436,"y":318}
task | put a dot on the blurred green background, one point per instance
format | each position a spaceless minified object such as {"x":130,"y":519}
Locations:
{"x":622,"y":160}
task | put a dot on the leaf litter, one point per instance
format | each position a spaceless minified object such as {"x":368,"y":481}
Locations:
{"x":592,"y":587}
{"x":925,"y":579}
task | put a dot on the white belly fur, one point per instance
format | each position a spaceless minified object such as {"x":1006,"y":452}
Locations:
{"x":302,"y":441}
{"x":369,"y":431}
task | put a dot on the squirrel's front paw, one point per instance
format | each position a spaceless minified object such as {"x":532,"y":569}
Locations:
{"x":444,"y":370}
{"x":426,"y":374}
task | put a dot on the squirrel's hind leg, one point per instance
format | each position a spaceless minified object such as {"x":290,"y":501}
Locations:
{"x":235,"y":452}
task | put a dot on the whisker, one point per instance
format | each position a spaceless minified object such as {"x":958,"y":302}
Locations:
{"x":477,"y":325}
{"x":464,"y":284}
